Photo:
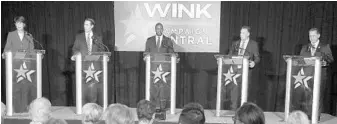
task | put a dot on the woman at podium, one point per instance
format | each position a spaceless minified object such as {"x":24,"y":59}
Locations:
{"x":24,"y":91}
{"x":19,"y":39}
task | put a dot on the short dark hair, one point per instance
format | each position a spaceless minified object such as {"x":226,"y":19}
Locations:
{"x":246,"y":27}
{"x":315,"y":29}
{"x":92,"y":21}
{"x":20,"y":19}
{"x":194,"y":105}
{"x":192,"y":116}
{"x":250,"y":113}
{"x":145,"y":109}
{"x":159,"y":24}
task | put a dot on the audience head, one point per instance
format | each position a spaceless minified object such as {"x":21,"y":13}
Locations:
{"x":297,"y":117}
{"x":145,"y":110}
{"x":249,"y":113}
{"x":56,"y":121}
{"x":191,"y":115}
{"x":194,"y":105}
{"x":20,"y":22}
{"x":40,"y":109}
{"x":91,"y":113}
{"x":118,"y":114}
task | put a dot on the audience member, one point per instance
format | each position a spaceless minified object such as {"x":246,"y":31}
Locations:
{"x":297,"y":117}
{"x":118,"y":114}
{"x":249,"y":113}
{"x":145,"y":111}
{"x":192,"y":115}
{"x":39,"y":110}
{"x":91,"y":113}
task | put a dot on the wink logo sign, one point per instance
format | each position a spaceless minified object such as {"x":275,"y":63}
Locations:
{"x":177,"y":10}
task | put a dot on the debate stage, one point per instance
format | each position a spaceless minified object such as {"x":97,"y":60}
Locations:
{"x":68,"y":113}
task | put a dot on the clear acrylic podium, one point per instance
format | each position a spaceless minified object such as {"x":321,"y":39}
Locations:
{"x":240,"y":71}
{"x":301,"y":65}
{"x":95,"y":69}
{"x":158,"y":68}
{"x":27,"y":64}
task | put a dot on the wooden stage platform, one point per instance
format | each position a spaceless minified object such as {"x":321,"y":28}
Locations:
{"x":68,"y":113}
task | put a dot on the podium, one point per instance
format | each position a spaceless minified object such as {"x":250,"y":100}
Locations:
{"x":298,"y":68}
{"x":158,"y":68}
{"x":23,"y":69}
{"x":236,"y":75}
{"x":95,"y":70}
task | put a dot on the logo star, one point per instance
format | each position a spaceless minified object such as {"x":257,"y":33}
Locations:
{"x":137,"y":28}
{"x":23,"y":73}
{"x":301,"y":79}
{"x":231,"y":77}
{"x":91,"y":73}
{"x":159,"y":74}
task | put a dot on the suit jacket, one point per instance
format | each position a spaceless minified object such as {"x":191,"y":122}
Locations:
{"x":166,"y":45}
{"x":81,"y":46}
{"x":322,"y":50}
{"x":14,"y":42}
{"x":252,"y":50}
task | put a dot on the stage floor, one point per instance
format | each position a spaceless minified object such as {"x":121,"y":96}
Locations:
{"x":68,"y":113}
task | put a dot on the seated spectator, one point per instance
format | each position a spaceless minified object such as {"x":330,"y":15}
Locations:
{"x":192,"y":115}
{"x":3,"y":111}
{"x":56,"y":121}
{"x":297,"y":117}
{"x":194,"y":105}
{"x":39,"y":110}
{"x":249,"y":113}
{"x":145,"y":111}
{"x":118,"y":114}
{"x":91,"y":113}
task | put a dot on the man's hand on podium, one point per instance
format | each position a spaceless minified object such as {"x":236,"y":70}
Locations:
{"x":251,"y":64}
{"x":74,"y":56}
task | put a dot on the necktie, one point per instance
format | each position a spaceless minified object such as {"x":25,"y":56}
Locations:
{"x":313,"y":49}
{"x":158,"y":42}
{"x":241,"y":49}
{"x":88,"y":44}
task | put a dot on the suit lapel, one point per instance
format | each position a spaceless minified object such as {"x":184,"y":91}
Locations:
{"x":247,"y":47}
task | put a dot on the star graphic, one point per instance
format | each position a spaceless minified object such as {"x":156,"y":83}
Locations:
{"x":91,"y":73}
{"x":231,"y":77}
{"x":301,"y":79}
{"x":159,"y":74}
{"x":23,"y":73}
{"x":137,"y":28}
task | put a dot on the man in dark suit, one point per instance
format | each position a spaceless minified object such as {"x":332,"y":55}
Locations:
{"x":244,"y":46}
{"x":159,"y":43}
{"x":315,"y":48}
{"x":85,"y":44}
{"x":160,"y":90}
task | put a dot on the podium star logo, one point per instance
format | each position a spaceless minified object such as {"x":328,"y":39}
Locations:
{"x":137,"y":28}
{"x":159,"y":74}
{"x":231,"y":77}
{"x":23,"y":73}
{"x":91,"y":73}
{"x":301,"y":79}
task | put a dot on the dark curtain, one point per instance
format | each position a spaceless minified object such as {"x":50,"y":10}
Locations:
{"x":279,"y":27}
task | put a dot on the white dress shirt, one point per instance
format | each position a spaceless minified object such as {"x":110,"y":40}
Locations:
{"x":90,"y":34}
{"x":314,"y":48}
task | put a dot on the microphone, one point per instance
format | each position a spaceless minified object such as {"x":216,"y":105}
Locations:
{"x":31,"y":36}
{"x":101,"y":44}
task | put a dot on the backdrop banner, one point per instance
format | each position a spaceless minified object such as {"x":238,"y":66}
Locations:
{"x":192,"y":26}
